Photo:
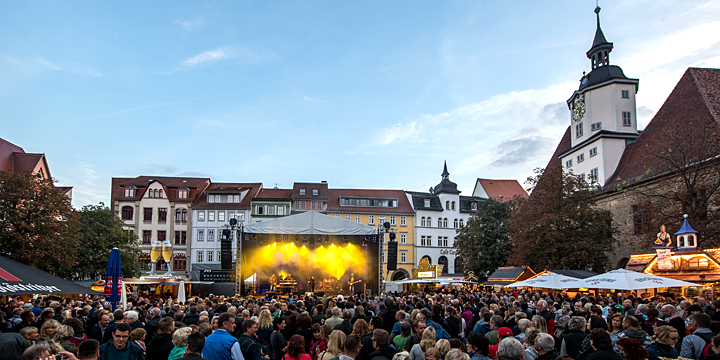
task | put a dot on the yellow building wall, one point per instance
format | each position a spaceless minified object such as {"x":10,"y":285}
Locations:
{"x":406,"y":229}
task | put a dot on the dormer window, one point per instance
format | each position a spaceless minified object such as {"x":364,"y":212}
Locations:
{"x":129,"y":192}
{"x":315,"y":192}
{"x":427,"y":202}
{"x":302,"y":192}
{"x":182,"y":193}
{"x":473,"y":206}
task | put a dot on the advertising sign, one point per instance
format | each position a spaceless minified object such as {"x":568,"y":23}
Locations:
{"x":664,"y":261}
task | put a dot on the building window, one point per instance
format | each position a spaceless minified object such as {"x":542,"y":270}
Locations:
{"x":443,"y":261}
{"x":347,"y":217}
{"x":371,"y":219}
{"x":568,"y":164}
{"x":315,"y":192}
{"x":211,"y":198}
{"x":211,"y":235}
{"x":127,"y":213}
{"x":392,"y":220}
{"x":403,"y":239}
{"x":439,"y":222}
{"x":429,"y":222}
{"x":260,"y":210}
{"x":578,"y":130}
{"x":461,"y":223}
{"x":199,"y":256}
{"x":162,"y":235}
{"x":180,"y":238}
{"x":445,"y":222}
{"x":302,"y":192}
{"x":452,"y":205}
{"x":178,"y":215}
{"x":447,"y":205}
{"x":302,"y":205}
{"x":403,"y":256}
{"x":201,"y":216}
{"x":422,"y":240}
{"x":231,"y":215}
{"x":455,"y":223}
{"x":281,"y":210}
{"x":210,"y":255}
{"x":221,"y":216}
{"x":444,"y":241}
{"x":182,"y":194}
{"x":593,"y":175}
{"x":129,"y":192}
{"x":625,"y":94}
{"x":271,"y":210}
{"x":357,"y":219}
{"x":627,"y":120}
{"x":580,"y":158}
{"x":403,"y":221}
{"x":473,"y":206}
{"x":160,"y":193}
{"x":211,"y":216}
{"x":427,"y":202}
{"x":201,"y":235}
{"x":179,"y":262}
{"x":147,"y":214}
{"x":297,"y":205}
{"x":337,"y":216}
{"x":428,"y":241}
{"x":312,"y":205}
{"x":162,"y":214}
{"x":422,"y":221}
{"x":595,"y":126}
{"x":147,"y":236}
{"x":593,"y":151}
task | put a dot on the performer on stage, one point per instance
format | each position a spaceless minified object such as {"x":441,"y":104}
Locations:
{"x":273,"y":282}
{"x":311,"y":283}
{"x":352,"y":284}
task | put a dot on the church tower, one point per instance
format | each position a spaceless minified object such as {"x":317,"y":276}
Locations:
{"x":603,"y":115}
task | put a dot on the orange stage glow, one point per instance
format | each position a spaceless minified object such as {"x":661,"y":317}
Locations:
{"x":334,"y":260}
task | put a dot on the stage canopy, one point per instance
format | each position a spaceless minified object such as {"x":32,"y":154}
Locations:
{"x":622,"y":279}
{"x":310,"y":223}
{"x":20,"y":279}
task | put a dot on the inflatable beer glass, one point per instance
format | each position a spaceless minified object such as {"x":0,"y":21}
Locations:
{"x":160,"y":250}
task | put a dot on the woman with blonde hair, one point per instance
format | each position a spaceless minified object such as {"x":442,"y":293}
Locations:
{"x":266,"y":329}
{"x":433,"y":354}
{"x":540,"y":323}
{"x":444,"y":346}
{"x":47,"y":331}
{"x":426,"y":342}
{"x":179,"y":339}
{"x":531,"y":335}
{"x":30,"y":334}
{"x":63,"y":334}
{"x":361,"y":328}
{"x":138,"y":337}
{"x":414,"y":314}
{"x":335,"y":346}
{"x":523,"y":324}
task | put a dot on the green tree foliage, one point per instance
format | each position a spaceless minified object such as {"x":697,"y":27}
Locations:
{"x":559,"y":226}
{"x":100,"y":230}
{"x":483,"y":243}
{"x":37,"y":223}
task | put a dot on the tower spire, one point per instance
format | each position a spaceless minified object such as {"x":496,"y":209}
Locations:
{"x":445,"y":173}
{"x":599,"y":53}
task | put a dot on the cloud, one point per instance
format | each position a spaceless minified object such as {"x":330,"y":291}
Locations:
{"x":241,"y":54}
{"x":400,"y":132}
{"x":206,"y":57}
{"x":516,"y":151}
{"x":191,"y":24}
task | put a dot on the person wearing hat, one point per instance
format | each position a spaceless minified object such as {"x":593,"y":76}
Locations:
{"x":496,"y":322}
{"x":503,"y":332}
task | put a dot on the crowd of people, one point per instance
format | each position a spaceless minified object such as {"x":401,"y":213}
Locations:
{"x":445,"y":324}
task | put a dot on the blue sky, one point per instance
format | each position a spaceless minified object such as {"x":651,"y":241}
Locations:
{"x":371,"y":94}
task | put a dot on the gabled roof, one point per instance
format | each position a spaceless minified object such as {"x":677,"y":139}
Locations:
{"x":170,"y":184}
{"x":501,"y":190}
{"x":6,"y":154}
{"x":322,"y":191}
{"x":693,"y":106}
{"x":228,"y":188}
{"x":403,"y":207}
{"x":27,"y":162}
{"x":274,"y":194}
{"x":507,"y":273}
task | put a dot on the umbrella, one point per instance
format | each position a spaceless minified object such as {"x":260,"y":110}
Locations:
{"x":181,"y":292}
{"x":547,"y":281}
{"x":21,"y":279}
{"x":113,"y":278}
{"x":622,"y":279}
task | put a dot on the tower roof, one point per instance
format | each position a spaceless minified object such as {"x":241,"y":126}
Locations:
{"x":445,"y":185}
{"x":686,"y":228}
{"x":599,"y":36}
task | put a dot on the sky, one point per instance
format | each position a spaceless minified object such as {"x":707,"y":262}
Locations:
{"x":362,"y":94}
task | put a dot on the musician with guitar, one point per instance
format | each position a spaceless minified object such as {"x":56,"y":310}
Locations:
{"x":351,"y":284}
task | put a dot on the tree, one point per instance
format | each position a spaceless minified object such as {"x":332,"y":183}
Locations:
{"x":559,"y":226}
{"x":37,"y":223}
{"x":100,"y":230}
{"x":483,"y":244}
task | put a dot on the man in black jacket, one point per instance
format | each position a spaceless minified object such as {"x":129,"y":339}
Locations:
{"x":98,"y":330}
{"x":376,"y":322}
{"x":194,"y":347}
{"x":381,"y":344}
{"x":346,"y":326}
{"x":674,"y":320}
{"x":152,"y":325}
{"x":192,"y":317}
{"x":415,"y":338}
{"x":161,"y":345}
{"x":388,"y":315}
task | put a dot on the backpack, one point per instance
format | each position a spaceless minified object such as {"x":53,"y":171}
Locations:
{"x":707,"y":350}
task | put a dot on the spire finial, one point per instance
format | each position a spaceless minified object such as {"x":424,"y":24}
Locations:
{"x":445,"y":173}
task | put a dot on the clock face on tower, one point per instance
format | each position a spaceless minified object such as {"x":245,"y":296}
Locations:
{"x":578,"y":110}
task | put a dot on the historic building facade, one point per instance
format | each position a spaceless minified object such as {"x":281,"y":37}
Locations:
{"x":309,"y":197}
{"x":438,"y":214}
{"x":14,"y":158}
{"x":271,"y":204}
{"x":212,"y":211}
{"x":157,"y":210}
{"x":374,"y":208}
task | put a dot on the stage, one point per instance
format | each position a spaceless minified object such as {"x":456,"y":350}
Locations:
{"x":310,"y":251}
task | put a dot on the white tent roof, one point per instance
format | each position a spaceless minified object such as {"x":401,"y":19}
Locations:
{"x":622,"y":279}
{"x":310,"y":223}
{"x":547,"y":281}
